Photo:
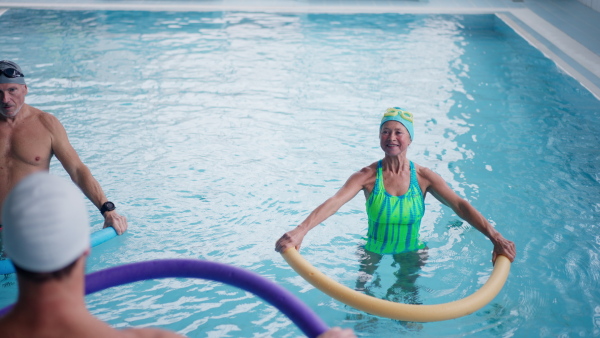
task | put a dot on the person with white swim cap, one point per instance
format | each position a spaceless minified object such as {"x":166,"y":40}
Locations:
{"x":47,"y":236}
{"x":30,"y":137}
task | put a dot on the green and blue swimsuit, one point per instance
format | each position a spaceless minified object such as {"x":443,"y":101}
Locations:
{"x":394,"y":221}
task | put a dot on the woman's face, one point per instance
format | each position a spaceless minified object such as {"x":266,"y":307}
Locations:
{"x":394,"y":138}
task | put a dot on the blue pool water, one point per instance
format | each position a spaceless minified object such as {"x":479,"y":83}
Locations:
{"x":215,"y":133}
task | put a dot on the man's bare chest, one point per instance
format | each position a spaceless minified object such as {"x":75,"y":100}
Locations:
{"x":25,"y":145}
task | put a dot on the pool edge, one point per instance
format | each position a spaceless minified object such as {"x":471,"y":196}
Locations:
{"x":570,"y":56}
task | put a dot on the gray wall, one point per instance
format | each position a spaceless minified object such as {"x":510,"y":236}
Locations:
{"x":595,"y":4}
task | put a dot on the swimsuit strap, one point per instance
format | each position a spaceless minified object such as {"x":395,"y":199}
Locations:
{"x":379,"y":186}
{"x":414,"y":180}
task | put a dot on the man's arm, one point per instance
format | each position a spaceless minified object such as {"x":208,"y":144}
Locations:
{"x":442,"y":192}
{"x":80,"y":173}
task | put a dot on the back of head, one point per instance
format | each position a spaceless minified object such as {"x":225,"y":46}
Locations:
{"x":45,"y":223}
{"x":10,"y":72}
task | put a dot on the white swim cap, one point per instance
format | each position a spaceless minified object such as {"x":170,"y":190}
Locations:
{"x":45,"y":223}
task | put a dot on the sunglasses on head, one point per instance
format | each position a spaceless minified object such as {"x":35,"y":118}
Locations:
{"x":11,"y":72}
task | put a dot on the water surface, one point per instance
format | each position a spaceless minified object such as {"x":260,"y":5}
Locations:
{"x":215,"y":133}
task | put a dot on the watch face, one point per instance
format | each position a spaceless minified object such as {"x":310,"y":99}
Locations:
{"x":107,"y":206}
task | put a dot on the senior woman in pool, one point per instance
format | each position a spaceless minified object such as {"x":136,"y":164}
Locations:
{"x":395,"y":190}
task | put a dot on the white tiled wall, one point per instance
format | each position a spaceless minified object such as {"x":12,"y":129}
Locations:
{"x":595,"y":4}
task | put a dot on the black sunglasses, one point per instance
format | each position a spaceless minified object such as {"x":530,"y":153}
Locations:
{"x":12,"y":73}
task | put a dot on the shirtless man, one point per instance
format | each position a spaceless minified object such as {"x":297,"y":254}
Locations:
{"x":51,"y":269}
{"x":28,"y":139}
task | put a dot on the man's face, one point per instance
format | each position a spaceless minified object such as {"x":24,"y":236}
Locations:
{"x":12,"y":98}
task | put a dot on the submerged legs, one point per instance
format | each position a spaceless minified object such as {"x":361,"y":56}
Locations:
{"x":410,"y":265}
{"x":404,"y":289}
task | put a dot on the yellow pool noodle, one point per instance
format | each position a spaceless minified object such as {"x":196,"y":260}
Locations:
{"x":399,"y":311}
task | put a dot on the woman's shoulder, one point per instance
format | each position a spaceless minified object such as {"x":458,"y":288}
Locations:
{"x":371,"y":169}
{"x":366,"y":173}
{"x":419,"y":167}
{"x":365,"y":177}
{"x":425,"y":173}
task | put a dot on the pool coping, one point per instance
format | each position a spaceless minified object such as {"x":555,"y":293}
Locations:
{"x":569,"y":55}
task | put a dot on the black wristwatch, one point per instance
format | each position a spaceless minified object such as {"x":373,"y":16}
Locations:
{"x":107,"y":206}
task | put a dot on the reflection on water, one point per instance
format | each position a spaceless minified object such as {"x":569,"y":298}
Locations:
{"x":216,"y":132}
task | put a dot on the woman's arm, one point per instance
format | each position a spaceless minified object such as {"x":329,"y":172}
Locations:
{"x":353,"y":186}
{"x":436,"y":185}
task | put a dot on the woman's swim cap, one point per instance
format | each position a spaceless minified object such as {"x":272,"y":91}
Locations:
{"x":45,"y":223}
{"x":400,"y":115}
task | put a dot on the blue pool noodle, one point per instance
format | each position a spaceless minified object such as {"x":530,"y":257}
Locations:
{"x":97,"y":238}
{"x":311,"y":324}
{"x":102,"y":236}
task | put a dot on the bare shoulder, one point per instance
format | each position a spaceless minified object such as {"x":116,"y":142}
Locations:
{"x":368,"y":170}
{"x":365,"y":174}
{"x":428,"y":179}
{"x":150,"y":333}
{"x":425,"y":173}
{"x":50,"y":123}
{"x":48,"y":120}
{"x":364,"y":179}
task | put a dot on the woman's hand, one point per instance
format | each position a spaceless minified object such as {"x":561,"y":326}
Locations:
{"x":504,"y":247}
{"x":290,"y":239}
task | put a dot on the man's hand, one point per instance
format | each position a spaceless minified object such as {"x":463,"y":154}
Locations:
{"x":113,"y":219}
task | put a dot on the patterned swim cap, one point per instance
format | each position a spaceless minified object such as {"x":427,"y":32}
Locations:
{"x":400,"y":115}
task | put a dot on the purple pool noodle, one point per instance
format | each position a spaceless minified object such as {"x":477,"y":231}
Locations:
{"x":274,"y":294}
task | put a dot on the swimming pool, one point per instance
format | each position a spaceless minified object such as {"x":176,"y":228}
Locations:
{"x":217,"y":132}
